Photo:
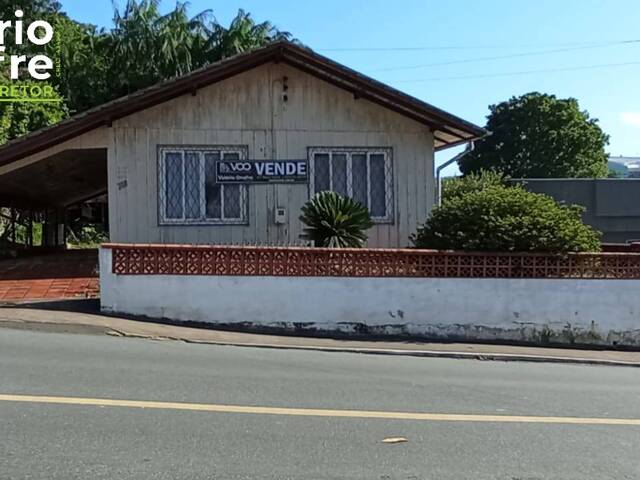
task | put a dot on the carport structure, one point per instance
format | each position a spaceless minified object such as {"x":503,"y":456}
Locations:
{"x":44,"y":184}
{"x":38,"y":183}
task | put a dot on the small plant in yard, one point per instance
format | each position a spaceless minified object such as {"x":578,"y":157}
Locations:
{"x":507,"y":219}
{"x":335,"y":221}
{"x":86,"y":235}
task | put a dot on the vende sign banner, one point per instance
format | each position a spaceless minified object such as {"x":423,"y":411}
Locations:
{"x":261,"y":171}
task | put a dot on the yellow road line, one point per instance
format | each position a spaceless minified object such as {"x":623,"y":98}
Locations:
{"x":313,"y":412}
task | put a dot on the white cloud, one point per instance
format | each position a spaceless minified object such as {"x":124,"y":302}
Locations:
{"x":630,"y":118}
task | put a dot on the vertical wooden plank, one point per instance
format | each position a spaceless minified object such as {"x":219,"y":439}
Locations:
{"x":298,"y":193}
{"x":247,"y":232}
{"x":152,"y":213}
{"x":217,"y":234}
{"x":140,"y":185}
{"x":112,"y":198}
{"x":192,"y":234}
{"x":402,"y":190}
{"x":411,"y":160}
{"x":235,"y":233}
{"x":258,"y":194}
{"x":422,"y":181}
{"x":125,"y":217}
{"x":428,"y":149}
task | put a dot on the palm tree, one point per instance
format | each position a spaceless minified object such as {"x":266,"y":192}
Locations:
{"x":181,"y":40}
{"x":242,"y":35}
{"x":335,"y":221}
{"x":147,"y":47}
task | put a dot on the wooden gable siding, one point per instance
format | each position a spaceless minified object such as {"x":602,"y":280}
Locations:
{"x":249,"y":109}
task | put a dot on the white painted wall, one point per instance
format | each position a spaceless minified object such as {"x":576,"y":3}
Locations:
{"x":601,"y":312}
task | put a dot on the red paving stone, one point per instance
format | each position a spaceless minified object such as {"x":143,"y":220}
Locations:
{"x":61,"y":275}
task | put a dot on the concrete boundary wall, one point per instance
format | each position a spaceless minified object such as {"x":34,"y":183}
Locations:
{"x":541,"y":311}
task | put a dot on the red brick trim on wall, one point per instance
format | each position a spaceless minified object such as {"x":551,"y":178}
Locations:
{"x":134,"y":259}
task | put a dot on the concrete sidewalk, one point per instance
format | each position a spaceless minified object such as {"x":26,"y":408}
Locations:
{"x":34,"y":317}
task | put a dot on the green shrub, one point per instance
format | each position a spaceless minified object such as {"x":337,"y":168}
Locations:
{"x":456,"y":186}
{"x":501,"y":218}
{"x":335,"y":221}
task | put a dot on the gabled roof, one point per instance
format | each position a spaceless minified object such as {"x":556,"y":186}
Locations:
{"x":448,"y":129}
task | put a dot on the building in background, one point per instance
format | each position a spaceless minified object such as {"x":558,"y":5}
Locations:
{"x":625,"y":167}
{"x":612,"y":205}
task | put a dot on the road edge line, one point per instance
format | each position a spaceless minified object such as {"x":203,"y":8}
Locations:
{"x":491,"y":356}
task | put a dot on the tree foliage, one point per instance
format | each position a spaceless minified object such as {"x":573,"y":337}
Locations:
{"x":335,"y":221}
{"x":506,"y":219}
{"x":146,"y":47}
{"x":143,"y":47}
{"x":84,"y":63}
{"x":243,"y":34}
{"x":29,"y":7}
{"x":540,"y":136}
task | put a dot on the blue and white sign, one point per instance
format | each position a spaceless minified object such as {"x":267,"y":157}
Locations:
{"x":262,"y":171}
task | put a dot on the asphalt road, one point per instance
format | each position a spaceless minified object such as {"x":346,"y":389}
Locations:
{"x":175,"y":441}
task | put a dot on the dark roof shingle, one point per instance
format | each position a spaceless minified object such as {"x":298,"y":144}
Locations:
{"x":448,"y":129}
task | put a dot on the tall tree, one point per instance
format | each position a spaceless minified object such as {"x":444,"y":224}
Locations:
{"x":29,"y":7}
{"x":540,"y":136}
{"x":146,"y":47}
{"x":242,"y":35}
{"x":84,"y":63}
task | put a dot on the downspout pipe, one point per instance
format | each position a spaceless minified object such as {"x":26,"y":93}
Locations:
{"x":466,"y":151}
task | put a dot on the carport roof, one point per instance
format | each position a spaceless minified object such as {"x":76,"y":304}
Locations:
{"x":448,"y":129}
{"x":60,"y":180}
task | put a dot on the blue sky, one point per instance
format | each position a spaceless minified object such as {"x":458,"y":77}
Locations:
{"x":535,"y":34}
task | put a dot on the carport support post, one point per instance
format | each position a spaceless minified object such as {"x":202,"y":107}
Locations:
{"x":13,"y":226}
{"x":54,"y":227}
{"x":30,"y":229}
{"x":45,"y":225}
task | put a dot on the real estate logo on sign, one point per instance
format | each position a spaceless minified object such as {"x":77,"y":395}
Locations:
{"x":16,"y":35}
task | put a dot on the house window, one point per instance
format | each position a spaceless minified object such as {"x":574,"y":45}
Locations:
{"x":188,"y":192}
{"x":364,"y":174}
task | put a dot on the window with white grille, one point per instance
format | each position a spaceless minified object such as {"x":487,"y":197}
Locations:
{"x":187,"y":188}
{"x":364,"y":174}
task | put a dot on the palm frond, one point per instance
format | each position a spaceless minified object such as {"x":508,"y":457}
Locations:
{"x":335,"y":221}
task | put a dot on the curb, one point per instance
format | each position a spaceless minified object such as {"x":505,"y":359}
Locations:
{"x":504,"y":357}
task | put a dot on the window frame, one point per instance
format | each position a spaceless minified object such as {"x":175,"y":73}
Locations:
{"x":202,"y":150}
{"x":389,"y":218}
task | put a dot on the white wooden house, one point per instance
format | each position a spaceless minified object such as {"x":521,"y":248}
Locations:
{"x":159,"y":153}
